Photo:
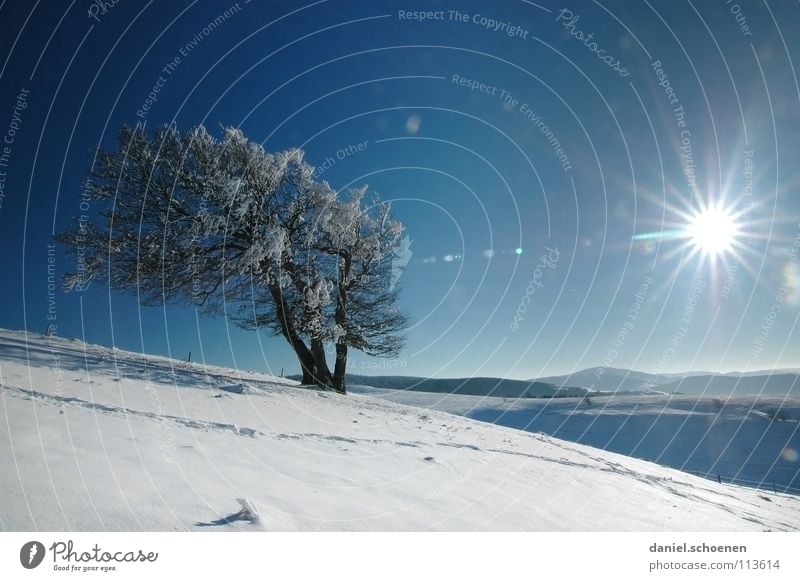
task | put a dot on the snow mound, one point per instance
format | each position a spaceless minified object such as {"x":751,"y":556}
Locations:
{"x":249,"y":511}
{"x":238,"y":388}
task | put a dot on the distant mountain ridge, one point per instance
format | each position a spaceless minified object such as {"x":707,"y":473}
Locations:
{"x":608,"y":380}
{"x":778,"y":382}
{"x":485,"y":386}
{"x":604,"y":379}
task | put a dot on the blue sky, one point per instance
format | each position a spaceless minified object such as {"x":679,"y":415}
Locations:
{"x":474,"y":176}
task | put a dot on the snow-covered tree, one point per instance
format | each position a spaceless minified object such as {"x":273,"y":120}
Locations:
{"x":361,"y":241}
{"x":342,"y":278}
{"x":230,"y":228}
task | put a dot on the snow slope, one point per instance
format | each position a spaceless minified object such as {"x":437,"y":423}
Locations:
{"x":98,"y":439}
{"x":746,"y":439}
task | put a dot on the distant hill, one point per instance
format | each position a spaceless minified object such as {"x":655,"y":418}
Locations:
{"x":780,"y":382}
{"x":777,"y":384}
{"x":485,"y":386}
{"x":607,"y":379}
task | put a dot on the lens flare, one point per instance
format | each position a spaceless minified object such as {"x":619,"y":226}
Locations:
{"x":790,"y":454}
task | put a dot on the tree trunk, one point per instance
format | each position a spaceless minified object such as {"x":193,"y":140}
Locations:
{"x":340,"y":369}
{"x":322,"y":373}
{"x":304,"y":355}
{"x":340,"y":317}
{"x":306,"y":360}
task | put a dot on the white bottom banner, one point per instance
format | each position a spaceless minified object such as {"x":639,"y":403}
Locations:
{"x":355,"y":556}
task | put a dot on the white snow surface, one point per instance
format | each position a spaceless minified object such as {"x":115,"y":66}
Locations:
{"x":93,"y":438}
{"x":745,"y":439}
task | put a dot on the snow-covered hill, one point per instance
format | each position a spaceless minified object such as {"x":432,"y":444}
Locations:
{"x":606,"y":379}
{"x":765,"y":382}
{"x":746,"y":439}
{"x":98,"y":439}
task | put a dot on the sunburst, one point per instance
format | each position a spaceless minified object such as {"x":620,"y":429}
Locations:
{"x":713,"y":231}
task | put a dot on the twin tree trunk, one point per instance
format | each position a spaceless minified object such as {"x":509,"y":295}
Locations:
{"x":313,"y":363}
{"x":321,"y":374}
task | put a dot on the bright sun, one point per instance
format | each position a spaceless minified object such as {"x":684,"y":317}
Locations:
{"x":713,"y":231}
